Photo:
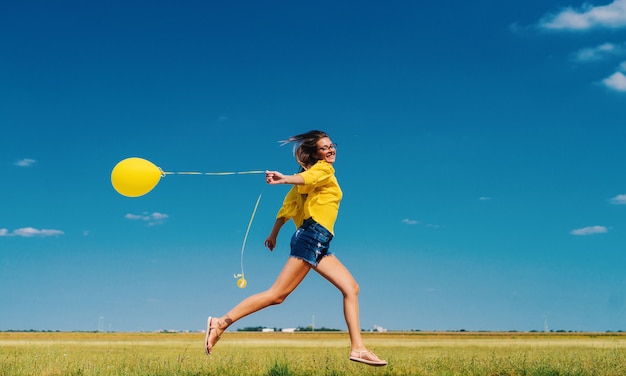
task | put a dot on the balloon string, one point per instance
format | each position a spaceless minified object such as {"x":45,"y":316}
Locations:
{"x":212,"y":173}
{"x":245,"y":238}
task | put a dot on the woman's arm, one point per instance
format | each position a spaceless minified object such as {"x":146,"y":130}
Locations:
{"x":270,"y":242}
{"x":275,"y":177}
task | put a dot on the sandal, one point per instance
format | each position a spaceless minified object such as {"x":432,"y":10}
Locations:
{"x":207,"y":346}
{"x":367,"y":357}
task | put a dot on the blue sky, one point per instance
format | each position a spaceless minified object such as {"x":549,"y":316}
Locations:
{"x":480,"y":154}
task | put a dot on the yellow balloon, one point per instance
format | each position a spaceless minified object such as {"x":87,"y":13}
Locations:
{"x":134,"y":177}
{"x":241,"y":283}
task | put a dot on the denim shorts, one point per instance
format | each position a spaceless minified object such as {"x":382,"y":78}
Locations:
{"x":311,"y":242}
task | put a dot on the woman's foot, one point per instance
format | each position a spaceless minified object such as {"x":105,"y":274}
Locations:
{"x":367,"y":357}
{"x":212,"y":334}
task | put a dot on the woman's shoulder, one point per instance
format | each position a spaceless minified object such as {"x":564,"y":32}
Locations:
{"x":323,"y":166}
{"x":319,"y":172}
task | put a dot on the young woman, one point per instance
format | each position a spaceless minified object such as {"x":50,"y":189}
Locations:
{"x":313,"y":204}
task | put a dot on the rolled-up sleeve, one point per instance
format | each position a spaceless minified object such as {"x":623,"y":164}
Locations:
{"x":315,"y":176}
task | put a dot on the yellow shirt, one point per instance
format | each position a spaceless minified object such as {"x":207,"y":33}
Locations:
{"x":293,"y":207}
{"x":322,"y":199}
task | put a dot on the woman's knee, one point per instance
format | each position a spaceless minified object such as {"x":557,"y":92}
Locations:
{"x":351,"y":289}
{"x":277,"y":297}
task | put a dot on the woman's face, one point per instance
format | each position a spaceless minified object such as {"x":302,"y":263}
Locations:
{"x":326,"y":150}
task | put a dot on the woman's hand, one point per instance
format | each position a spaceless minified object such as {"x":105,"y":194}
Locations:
{"x":275,"y":177}
{"x":270,"y":242}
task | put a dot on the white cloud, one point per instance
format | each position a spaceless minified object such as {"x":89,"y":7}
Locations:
{"x":612,"y":15}
{"x":598,"y":53}
{"x":413,"y":222}
{"x":622,"y":67}
{"x":28,"y":232}
{"x":152,"y":218}
{"x":410,"y":221}
{"x":616,"y":81}
{"x":26,"y":162}
{"x":619,"y":200}
{"x":589,"y":230}
{"x":484,"y":198}
{"x":156,"y":215}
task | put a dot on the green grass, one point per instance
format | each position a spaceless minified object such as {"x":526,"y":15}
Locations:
{"x":46,"y":354}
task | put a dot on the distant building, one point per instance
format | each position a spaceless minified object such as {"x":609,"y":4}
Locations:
{"x":288,"y":330}
{"x":267,"y":330}
{"x":378,"y":328}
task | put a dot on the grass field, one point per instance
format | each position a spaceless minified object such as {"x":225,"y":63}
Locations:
{"x":415,"y":353}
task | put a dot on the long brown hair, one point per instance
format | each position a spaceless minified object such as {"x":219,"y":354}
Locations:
{"x":305,"y":147}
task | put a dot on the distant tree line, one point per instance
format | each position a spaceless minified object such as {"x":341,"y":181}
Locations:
{"x":30,"y":331}
{"x":252,"y":329}
{"x":311,"y":329}
{"x":298,"y":329}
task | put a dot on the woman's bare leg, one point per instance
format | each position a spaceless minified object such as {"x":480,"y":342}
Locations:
{"x":333,"y":270}
{"x":289,"y":278}
{"x":336,"y":273}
